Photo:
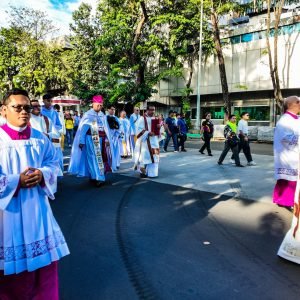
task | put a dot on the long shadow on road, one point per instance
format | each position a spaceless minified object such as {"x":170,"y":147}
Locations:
{"x":139,"y":239}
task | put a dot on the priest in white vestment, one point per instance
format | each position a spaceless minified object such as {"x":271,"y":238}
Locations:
{"x":146,"y":151}
{"x":125,"y":146}
{"x":133,"y":126}
{"x":31,"y":242}
{"x":37,"y":121}
{"x":89,"y":156}
{"x":56,"y":129}
{"x":115,"y":136}
{"x":286,"y":153}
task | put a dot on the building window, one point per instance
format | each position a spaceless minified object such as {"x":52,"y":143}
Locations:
{"x":257,"y":113}
{"x":235,"y":39}
{"x":248,"y":37}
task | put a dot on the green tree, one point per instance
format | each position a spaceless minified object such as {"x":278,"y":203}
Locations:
{"x":27,"y":60}
{"x":86,"y":62}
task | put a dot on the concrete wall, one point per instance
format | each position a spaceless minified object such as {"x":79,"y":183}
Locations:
{"x":257,"y":133}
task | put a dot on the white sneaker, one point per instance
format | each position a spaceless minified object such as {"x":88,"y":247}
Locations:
{"x":232,"y":161}
{"x":175,"y":151}
{"x":251,"y":163}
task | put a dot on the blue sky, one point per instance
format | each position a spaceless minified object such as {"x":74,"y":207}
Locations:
{"x":61,"y":4}
{"x":59,"y":11}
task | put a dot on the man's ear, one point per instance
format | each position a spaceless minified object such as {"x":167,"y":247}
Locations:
{"x":4,"y":110}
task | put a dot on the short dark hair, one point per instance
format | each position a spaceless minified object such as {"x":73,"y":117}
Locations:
{"x":11,"y":92}
{"x":34,"y":100}
{"x":171,"y":112}
{"x":231,"y":116}
{"x":110,"y":106}
{"x":150,"y":105}
{"x":244,"y":113}
{"x":47,"y":97}
{"x":56,"y":106}
{"x":207,"y":113}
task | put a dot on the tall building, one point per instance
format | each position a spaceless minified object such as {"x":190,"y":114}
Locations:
{"x":247,"y":68}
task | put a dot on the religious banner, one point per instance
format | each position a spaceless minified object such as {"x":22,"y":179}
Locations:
{"x":97,"y":146}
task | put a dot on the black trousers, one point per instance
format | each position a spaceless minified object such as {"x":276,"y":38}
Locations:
{"x":206,"y":144}
{"x":243,"y":144}
{"x":235,"y":151}
{"x":181,"y":140}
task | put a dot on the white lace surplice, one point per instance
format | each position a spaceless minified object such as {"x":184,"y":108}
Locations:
{"x":30,"y":238}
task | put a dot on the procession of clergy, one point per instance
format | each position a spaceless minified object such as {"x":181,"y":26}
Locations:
{"x":31,"y":160}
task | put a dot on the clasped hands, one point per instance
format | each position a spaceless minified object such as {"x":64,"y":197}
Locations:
{"x":31,"y":177}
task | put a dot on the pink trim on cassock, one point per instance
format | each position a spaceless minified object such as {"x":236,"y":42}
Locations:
{"x":292,"y":115}
{"x":41,"y":284}
{"x":284,"y":192}
{"x":17,"y":135}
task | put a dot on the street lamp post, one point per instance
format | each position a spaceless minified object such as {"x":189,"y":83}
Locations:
{"x":198,"y":117}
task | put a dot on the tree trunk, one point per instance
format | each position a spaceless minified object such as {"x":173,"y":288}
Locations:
{"x":140,"y":74}
{"x":222,"y":69}
{"x":273,"y":62}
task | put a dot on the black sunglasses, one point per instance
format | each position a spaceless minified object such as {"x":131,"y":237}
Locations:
{"x":19,"y":108}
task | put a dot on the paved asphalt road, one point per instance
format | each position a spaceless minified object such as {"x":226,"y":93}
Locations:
{"x":138,"y":239}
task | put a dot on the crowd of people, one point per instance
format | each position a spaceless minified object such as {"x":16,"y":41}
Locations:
{"x":31,"y":161}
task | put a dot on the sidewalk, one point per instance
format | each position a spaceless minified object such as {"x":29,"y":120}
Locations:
{"x":201,"y":172}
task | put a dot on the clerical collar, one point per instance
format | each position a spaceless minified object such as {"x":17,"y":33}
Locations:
{"x":19,"y":129}
{"x":292,"y":114}
{"x":17,"y":133}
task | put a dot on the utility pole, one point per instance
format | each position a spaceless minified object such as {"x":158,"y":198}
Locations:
{"x":198,"y":117}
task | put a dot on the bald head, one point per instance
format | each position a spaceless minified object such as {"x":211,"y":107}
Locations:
{"x":292,"y":104}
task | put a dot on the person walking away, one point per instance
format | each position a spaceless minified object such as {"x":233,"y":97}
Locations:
{"x":286,"y":153}
{"x":231,"y":141}
{"x":244,"y":143}
{"x":146,"y":152}
{"x":208,"y":132}
{"x":183,"y":130}
{"x":89,"y":156}
{"x":31,"y":241}
{"x":133,"y":126}
{"x":171,"y":131}
{"x":69,"y":123}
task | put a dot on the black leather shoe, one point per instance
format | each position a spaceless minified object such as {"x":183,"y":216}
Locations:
{"x":201,"y":152}
{"x":219,"y":163}
{"x":210,"y":154}
{"x":241,"y":166}
{"x":143,"y":175}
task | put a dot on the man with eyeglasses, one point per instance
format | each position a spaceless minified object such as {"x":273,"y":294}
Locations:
{"x":244,"y":142}
{"x":31,"y":241}
{"x":133,"y":126}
